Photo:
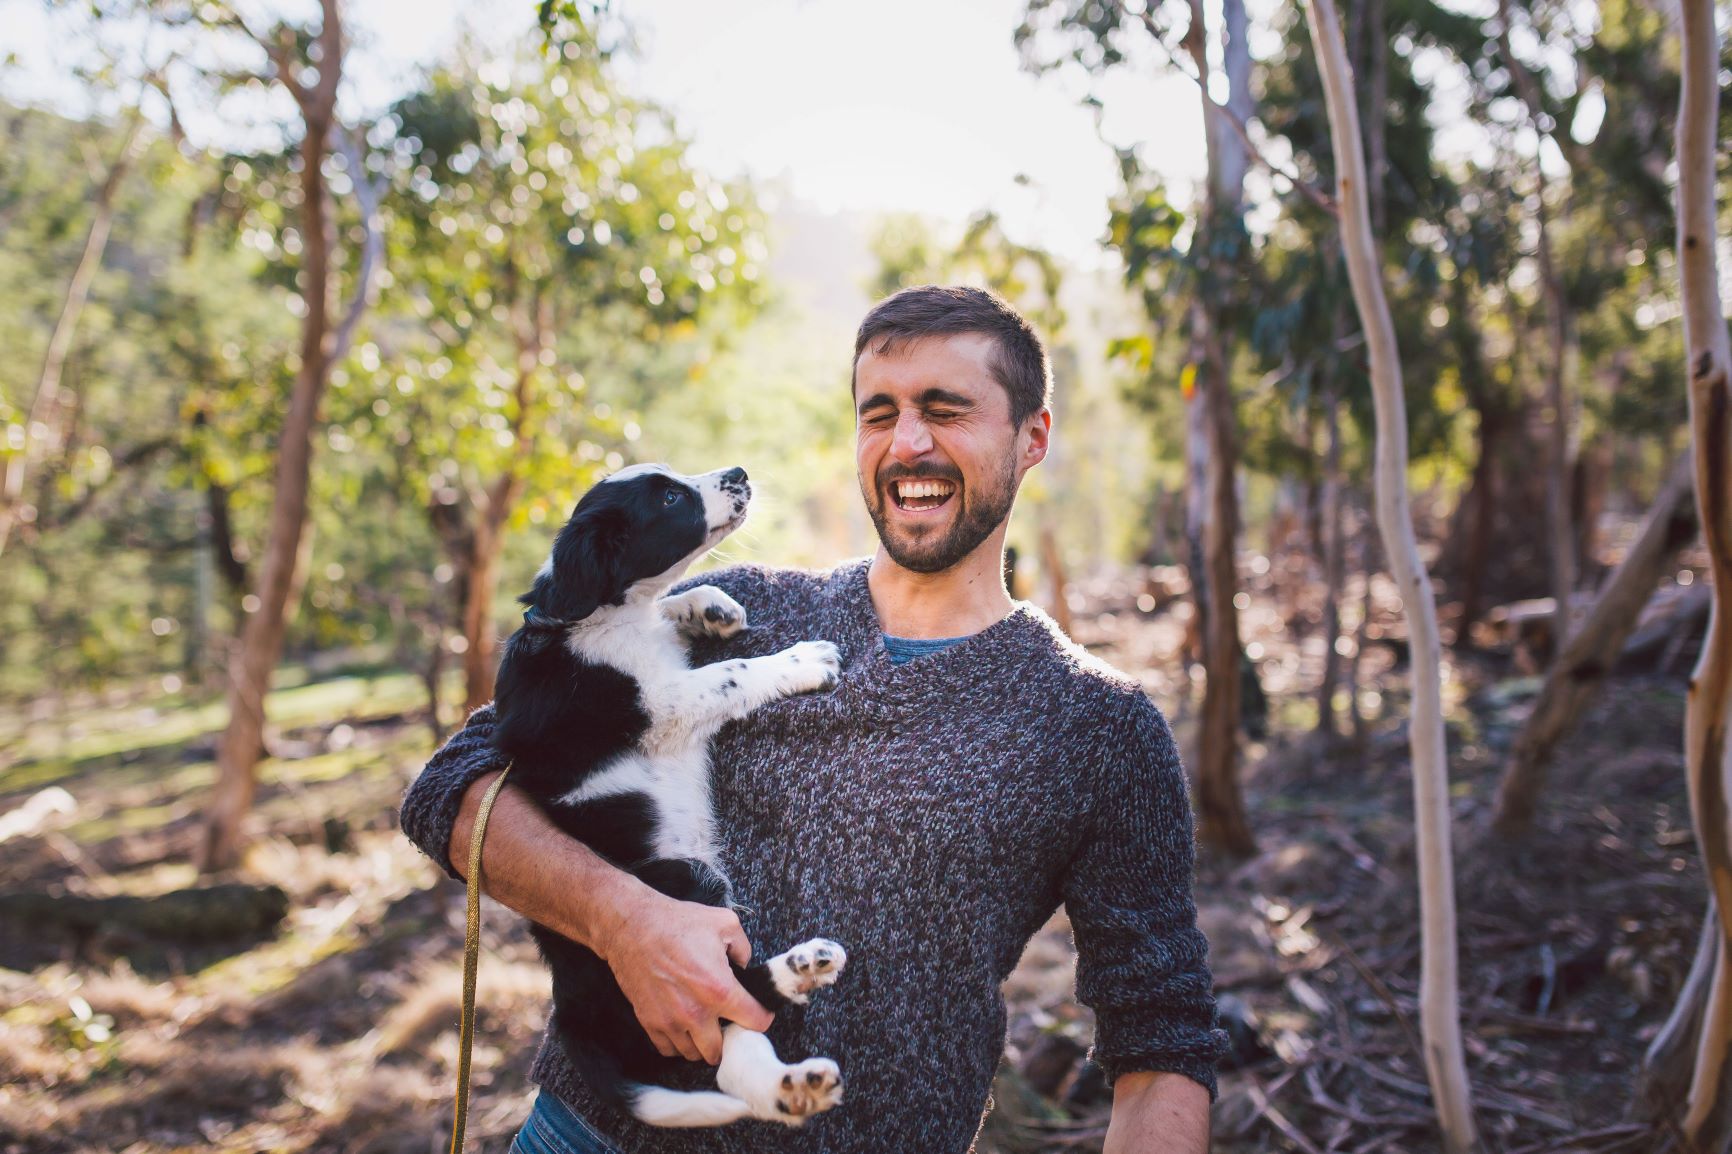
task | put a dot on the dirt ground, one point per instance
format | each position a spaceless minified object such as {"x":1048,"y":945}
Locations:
{"x":336,"y":1031}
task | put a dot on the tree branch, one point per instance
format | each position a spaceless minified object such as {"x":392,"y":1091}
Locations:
{"x":1312,"y":193}
{"x":372,"y":243}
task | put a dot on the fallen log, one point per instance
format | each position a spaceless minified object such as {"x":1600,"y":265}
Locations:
{"x":1591,"y":653}
{"x":202,"y":914}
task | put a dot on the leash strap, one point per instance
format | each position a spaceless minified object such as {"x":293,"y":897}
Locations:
{"x":471,"y":962}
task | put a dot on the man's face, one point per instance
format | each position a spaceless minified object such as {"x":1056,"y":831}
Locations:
{"x":938,"y":458}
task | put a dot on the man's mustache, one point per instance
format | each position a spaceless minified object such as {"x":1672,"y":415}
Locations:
{"x":893,"y":473}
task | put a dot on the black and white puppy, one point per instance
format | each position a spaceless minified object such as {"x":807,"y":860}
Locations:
{"x":608,"y":728}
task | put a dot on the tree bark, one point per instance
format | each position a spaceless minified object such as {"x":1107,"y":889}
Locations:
{"x":1707,"y":1117}
{"x":1221,"y":808}
{"x":261,"y":641}
{"x":39,"y":426}
{"x":1583,"y":665}
{"x":1440,"y":1012}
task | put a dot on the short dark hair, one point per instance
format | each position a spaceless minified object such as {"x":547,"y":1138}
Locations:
{"x":929,"y":310}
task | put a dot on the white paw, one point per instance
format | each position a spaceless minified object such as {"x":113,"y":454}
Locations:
{"x":713,"y":612}
{"x":806,"y":967}
{"x":810,"y":666}
{"x":807,"y":1088}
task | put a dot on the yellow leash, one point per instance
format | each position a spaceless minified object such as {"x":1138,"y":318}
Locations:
{"x":471,"y":961}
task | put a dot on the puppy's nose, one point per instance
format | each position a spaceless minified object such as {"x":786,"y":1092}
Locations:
{"x":734,"y":476}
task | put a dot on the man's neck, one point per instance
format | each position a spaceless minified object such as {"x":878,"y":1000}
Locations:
{"x":962,"y":600}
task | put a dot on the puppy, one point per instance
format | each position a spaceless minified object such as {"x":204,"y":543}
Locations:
{"x":608,"y":729}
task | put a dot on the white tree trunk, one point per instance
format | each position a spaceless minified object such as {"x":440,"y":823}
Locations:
{"x":1440,"y":1017}
{"x":1709,"y":362}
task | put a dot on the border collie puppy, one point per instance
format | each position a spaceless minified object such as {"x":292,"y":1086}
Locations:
{"x":608,"y":729}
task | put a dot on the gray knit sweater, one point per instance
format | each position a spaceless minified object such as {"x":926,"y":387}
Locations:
{"x":930,"y":817}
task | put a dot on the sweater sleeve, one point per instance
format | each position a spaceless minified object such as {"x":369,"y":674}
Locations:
{"x":1142,"y":963}
{"x":430,"y":807}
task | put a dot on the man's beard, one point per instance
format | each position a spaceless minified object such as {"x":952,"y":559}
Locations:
{"x":937,"y":550}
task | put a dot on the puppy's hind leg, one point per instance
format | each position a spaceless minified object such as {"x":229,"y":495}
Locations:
{"x":774,"y":1092}
{"x":659,"y":1106}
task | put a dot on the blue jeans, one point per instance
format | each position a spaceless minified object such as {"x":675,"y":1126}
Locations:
{"x":554,"y":1128}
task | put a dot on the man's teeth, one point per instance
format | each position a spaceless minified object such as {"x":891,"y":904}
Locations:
{"x":909,"y":490}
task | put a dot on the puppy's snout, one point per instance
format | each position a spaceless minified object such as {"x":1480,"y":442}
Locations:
{"x":735,"y":487}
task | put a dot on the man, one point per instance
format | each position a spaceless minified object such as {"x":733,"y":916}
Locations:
{"x":971,"y":770}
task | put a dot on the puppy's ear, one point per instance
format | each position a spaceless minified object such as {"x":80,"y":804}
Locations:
{"x":588,"y":568}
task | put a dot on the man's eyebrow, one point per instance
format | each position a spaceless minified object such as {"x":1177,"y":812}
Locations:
{"x":937,"y":396}
{"x":926,"y":397}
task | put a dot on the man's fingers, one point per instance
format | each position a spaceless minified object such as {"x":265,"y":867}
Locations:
{"x":663,"y":1046}
{"x":739,"y":946}
{"x":708,"y":1041}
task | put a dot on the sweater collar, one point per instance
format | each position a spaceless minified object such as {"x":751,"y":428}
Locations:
{"x":1021,"y":635}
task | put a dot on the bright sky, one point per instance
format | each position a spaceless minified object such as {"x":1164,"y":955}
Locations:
{"x":893,"y":105}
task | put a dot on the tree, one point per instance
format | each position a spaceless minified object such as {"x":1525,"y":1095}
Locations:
{"x":1100,"y":37}
{"x":1696,"y":1044}
{"x":42,"y":425}
{"x":552,"y":222}
{"x":1440,"y":1011}
{"x":310,"y":69}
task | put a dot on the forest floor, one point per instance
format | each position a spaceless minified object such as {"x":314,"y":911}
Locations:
{"x":336,"y":1031}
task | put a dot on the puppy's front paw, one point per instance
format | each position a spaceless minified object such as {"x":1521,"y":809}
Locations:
{"x":807,"y":967}
{"x":811,"y":666}
{"x":807,"y":1088}
{"x":706,"y":610}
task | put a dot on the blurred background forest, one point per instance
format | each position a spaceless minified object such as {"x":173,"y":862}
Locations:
{"x":321,"y":316}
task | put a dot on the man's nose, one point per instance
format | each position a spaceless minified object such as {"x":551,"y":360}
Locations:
{"x":913,"y":439}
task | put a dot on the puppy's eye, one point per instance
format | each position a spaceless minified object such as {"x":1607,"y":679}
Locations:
{"x":672,"y":498}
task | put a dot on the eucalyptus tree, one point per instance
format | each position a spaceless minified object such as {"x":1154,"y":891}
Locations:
{"x":1439,"y":1000}
{"x":553,"y":231}
{"x":308,"y":65}
{"x":1213,"y":252}
{"x":1694,"y":1050}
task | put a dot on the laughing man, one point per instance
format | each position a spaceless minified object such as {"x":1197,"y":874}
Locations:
{"x":971,"y":770}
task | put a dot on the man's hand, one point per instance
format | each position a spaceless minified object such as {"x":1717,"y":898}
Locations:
{"x":671,"y":960}
{"x":1158,"y":1114}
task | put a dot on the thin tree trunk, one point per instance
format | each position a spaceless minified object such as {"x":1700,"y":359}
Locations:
{"x":1707,"y":1119}
{"x":39,"y":426}
{"x":1560,"y":531}
{"x":1583,"y":665}
{"x":1334,"y":566}
{"x":1221,"y":809}
{"x":1440,"y":1010}
{"x":1052,"y":560}
{"x":534,"y":336}
{"x":261,"y":640}
{"x":1663,"y":1083}
{"x":1361,"y":632}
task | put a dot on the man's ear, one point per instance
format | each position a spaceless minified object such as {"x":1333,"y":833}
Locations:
{"x":588,"y":569}
{"x":1035,"y":440}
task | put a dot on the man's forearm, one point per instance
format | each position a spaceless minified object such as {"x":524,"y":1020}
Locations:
{"x":1158,"y":1114}
{"x":532,"y":866}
